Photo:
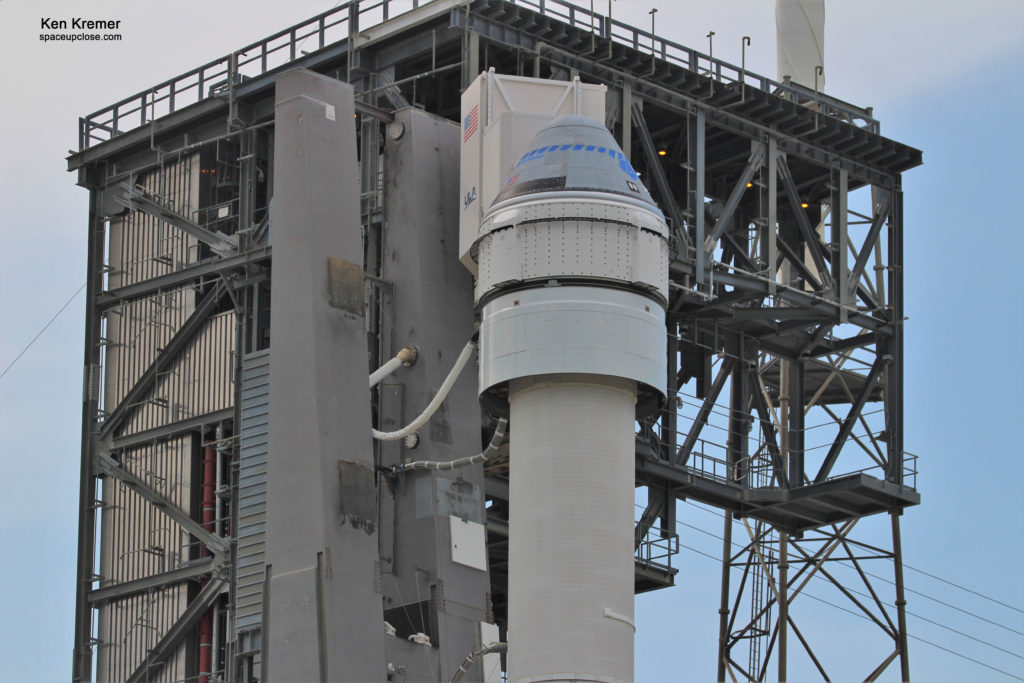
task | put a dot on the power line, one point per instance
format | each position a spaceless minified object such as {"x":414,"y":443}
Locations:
{"x":963,"y":588}
{"x":40,"y":333}
{"x":857,"y":614}
{"x":911,"y":590}
{"x":913,"y":614}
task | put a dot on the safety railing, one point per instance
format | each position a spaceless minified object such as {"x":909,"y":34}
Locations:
{"x":218,"y":76}
{"x":656,"y":551}
{"x":708,"y":460}
{"x":698,"y":62}
{"x":339,"y":23}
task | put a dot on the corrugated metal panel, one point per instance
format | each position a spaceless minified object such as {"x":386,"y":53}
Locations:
{"x":252,"y":490}
{"x":136,"y":541}
{"x":197,"y":383}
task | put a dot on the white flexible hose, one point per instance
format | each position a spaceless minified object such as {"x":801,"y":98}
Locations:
{"x":435,"y":402}
{"x":384,"y":370}
{"x":492,"y":447}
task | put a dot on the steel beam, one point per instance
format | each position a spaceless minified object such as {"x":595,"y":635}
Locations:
{"x":105,"y":464}
{"x":894,"y":346}
{"x":754,"y":162}
{"x":171,"y":281}
{"x":683,"y":455}
{"x":881,"y":360}
{"x":148,"y":378}
{"x":654,"y":164}
{"x":767,"y":428}
{"x":127,"y":589}
{"x":657,"y":500}
{"x":809,"y":235}
{"x":81,"y":667}
{"x":837,"y":245}
{"x":159,"y":655}
{"x":696,"y":177}
{"x":140,"y":200}
{"x":168,"y":431}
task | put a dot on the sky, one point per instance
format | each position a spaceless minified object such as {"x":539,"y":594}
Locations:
{"x":942,"y":76}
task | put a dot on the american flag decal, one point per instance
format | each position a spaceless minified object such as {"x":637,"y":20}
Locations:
{"x":469,"y":123}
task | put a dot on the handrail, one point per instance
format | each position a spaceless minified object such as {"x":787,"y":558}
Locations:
{"x":341,"y":22}
{"x":213,"y":77}
{"x":699,"y":62}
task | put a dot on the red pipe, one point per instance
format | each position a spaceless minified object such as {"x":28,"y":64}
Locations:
{"x":209,"y":523}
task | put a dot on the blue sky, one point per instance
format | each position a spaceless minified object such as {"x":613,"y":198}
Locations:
{"x":942,"y":76}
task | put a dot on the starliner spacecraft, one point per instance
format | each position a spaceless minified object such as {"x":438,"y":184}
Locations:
{"x":572,"y":280}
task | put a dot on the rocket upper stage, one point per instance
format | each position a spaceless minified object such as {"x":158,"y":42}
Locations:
{"x":575,"y":153}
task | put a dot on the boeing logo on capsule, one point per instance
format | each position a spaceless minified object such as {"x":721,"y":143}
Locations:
{"x":539,"y":153}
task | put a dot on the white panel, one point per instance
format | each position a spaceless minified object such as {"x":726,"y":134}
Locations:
{"x":469,"y":543}
{"x":491,"y":662}
{"x":572,"y":329}
{"x":510,"y":110}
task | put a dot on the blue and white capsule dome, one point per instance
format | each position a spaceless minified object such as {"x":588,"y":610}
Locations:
{"x":572,"y":268}
{"x":576,"y":154}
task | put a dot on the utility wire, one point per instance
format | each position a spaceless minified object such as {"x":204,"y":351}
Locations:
{"x":963,"y":588}
{"x":857,"y":614}
{"x":40,"y":333}
{"x":864,"y":595}
{"x":910,"y":590}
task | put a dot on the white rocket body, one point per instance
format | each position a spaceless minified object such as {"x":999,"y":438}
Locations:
{"x":572,"y":283}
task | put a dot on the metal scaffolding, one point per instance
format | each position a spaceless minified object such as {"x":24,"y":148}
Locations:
{"x":785,"y":406}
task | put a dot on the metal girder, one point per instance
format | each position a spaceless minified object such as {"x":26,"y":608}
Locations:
{"x":170,"y":430}
{"x":846,"y":429}
{"x":840,"y":274}
{"x":171,"y":281}
{"x":657,"y":501}
{"x":177,"y":632}
{"x":740,"y":257}
{"x":105,"y":464}
{"x":757,"y":154}
{"x":140,"y":200}
{"x":796,"y":143}
{"x":869,"y":240}
{"x":767,"y":428}
{"x":81,"y":668}
{"x":177,"y":343}
{"x":129,"y":588}
{"x":798,"y":263}
{"x":659,"y":174}
{"x":809,"y":235}
{"x":828,"y":309}
{"x":695,"y":190}
{"x":683,"y":455}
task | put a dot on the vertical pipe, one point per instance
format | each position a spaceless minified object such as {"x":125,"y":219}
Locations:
{"x":572,"y":487}
{"x":82,"y":659}
{"x":783,"y":600}
{"x":209,"y":522}
{"x":901,"y":602}
{"x":723,"y":609}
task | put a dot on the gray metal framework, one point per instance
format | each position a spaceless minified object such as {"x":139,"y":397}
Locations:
{"x":786,"y":309}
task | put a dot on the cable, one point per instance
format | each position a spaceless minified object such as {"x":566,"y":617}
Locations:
{"x":857,"y":614}
{"x":492,"y":447}
{"x":891,"y":582}
{"x":435,"y":402}
{"x":963,"y":588}
{"x":40,"y":333}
